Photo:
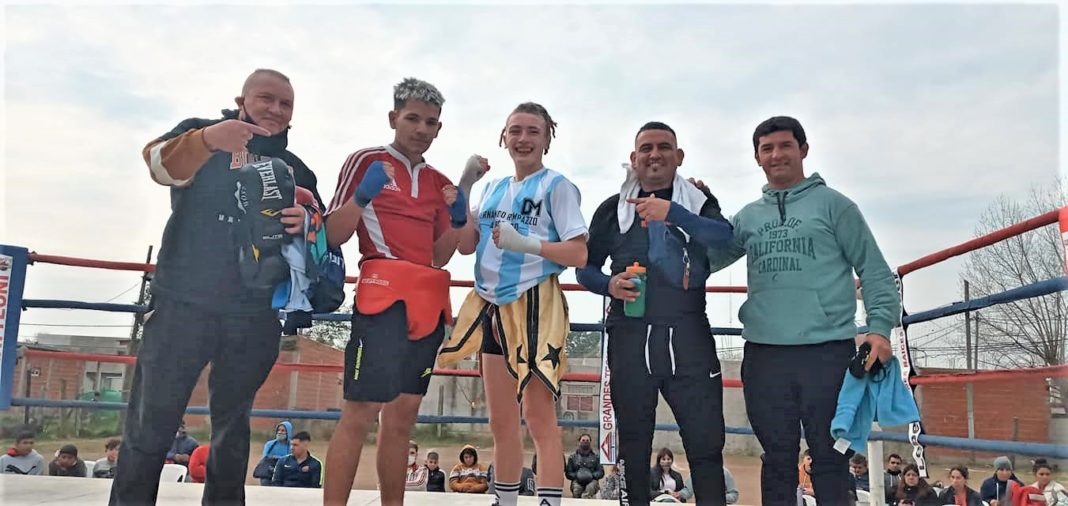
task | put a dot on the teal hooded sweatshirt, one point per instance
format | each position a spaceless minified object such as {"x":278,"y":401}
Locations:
{"x":802,"y":245}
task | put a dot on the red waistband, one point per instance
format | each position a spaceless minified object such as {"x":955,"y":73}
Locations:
{"x":424,"y":291}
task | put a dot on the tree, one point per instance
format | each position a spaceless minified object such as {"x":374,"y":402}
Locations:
{"x":332,"y":333}
{"x":583,"y":344}
{"x":1029,"y":332}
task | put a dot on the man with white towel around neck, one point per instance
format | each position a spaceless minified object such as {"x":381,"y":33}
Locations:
{"x":669,"y":350}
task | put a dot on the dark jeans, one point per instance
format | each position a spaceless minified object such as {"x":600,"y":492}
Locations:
{"x":179,"y":340}
{"x":691,"y":382}
{"x":787,"y":387}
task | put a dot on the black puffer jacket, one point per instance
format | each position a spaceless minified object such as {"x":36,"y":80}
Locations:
{"x":583,"y":468}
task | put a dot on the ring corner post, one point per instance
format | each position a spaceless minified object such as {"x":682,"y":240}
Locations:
{"x":1062,"y":219}
{"x":13,"y":261}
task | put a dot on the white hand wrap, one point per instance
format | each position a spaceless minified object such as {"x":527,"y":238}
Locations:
{"x":473,"y":171}
{"x":512,"y":240}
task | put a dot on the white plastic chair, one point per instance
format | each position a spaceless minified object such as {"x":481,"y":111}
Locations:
{"x":172,"y":473}
{"x":89,"y":465}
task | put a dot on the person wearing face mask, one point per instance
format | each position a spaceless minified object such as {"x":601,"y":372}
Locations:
{"x":584,"y":470}
{"x":205,"y":309}
{"x":272,"y":451}
{"x":669,"y":349}
{"x":415,"y":479}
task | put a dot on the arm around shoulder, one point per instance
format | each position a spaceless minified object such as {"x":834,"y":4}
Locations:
{"x":722,"y":254}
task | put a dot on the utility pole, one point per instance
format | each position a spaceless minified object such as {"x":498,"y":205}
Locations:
{"x":139,"y":318}
{"x":967,"y":330}
{"x":976,"y":341}
{"x":135,"y":342}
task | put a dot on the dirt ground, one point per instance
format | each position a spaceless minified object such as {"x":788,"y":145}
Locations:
{"x":746,"y":470}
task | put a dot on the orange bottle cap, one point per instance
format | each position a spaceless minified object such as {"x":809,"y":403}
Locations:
{"x":636,"y":268}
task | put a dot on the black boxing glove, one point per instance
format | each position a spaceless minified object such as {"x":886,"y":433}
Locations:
{"x":263,"y":190}
{"x":856,"y":365}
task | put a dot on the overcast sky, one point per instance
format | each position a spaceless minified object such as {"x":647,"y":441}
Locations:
{"x":921,"y":114}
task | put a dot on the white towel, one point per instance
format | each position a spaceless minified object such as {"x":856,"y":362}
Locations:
{"x":683,"y":193}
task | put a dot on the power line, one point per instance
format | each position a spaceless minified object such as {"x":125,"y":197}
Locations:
{"x":124,"y":292}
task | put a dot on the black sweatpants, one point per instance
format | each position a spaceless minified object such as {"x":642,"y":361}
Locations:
{"x":680,"y":362}
{"x":179,"y":341}
{"x":787,"y":387}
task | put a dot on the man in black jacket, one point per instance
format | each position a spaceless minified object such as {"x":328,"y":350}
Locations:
{"x":203,"y":311}
{"x":584,"y":470}
{"x":300,"y":468}
{"x":669,"y":349}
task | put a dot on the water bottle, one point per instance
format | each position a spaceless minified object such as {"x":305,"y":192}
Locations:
{"x":636,"y":309}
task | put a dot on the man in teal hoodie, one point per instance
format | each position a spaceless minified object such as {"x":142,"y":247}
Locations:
{"x":803,"y":242}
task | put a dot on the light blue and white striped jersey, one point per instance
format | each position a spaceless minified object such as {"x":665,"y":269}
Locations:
{"x":544,"y":205}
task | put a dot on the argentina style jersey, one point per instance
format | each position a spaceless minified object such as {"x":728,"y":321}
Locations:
{"x":544,"y":205}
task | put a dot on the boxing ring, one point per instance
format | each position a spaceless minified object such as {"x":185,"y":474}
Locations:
{"x":15,"y":262}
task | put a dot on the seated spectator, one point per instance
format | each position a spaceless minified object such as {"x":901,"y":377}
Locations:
{"x":804,"y":474}
{"x":22,"y":458}
{"x":300,"y":468}
{"x":274,"y":449}
{"x":995,"y":489}
{"x":435,"y":478}
{"x":892,"y":475}
{"x":182,"y":447}
{"x":67,"y":463}
{"x":198,"y":464}
{"x":583,"y":469}
{"x":914,"y":489}
{"x":1055,"y":493}
{"x":105,"y":467}
{"x":663,"y":478}
{"x":958,"y":492}
{"x":526,"y":481}
{"x":858,"y":465}
{"x":610,"y":488}
{"x":1028,"y":495}
{"x":416,"y":475}
{"x":469,"y":477}
{"x":729,"y":484}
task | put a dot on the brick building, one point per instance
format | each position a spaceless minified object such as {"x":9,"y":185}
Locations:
{"x":314,"y":391}
{"x":998,"y":406}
